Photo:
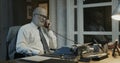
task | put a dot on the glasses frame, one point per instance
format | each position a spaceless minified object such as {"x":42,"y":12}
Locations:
{"x":44,"y":18}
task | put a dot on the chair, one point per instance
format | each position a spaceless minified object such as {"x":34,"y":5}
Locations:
{"x":11,"y":42}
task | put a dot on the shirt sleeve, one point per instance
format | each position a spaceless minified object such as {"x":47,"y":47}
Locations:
{"x":22,"y":43}
{"x":53,"y":40}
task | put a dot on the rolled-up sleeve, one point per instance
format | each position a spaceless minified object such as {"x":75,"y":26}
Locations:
{"x":53,"y":40}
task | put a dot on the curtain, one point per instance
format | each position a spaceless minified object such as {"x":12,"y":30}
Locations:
{"x":6,"y":20}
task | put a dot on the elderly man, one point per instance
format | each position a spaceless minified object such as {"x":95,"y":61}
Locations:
{"x":36,"y":38}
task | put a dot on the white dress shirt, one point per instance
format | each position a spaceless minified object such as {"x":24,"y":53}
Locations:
{"x":29,"y":40}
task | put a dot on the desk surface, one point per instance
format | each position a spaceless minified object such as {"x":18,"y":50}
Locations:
{"x":38,"y":59}
{"x":110,"y":59}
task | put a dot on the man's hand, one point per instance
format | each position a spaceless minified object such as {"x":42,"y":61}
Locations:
{"x":40,"y":53}
{"x":47,"y":24}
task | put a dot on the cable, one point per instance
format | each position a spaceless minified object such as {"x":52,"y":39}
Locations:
{"x":64,"y":37}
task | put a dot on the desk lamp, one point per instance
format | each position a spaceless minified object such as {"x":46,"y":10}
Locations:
{"x":116,"y":16}
{"x":116,"y":12}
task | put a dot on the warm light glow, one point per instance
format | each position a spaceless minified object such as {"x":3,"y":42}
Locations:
{"x":116,"y":12}
{"x":116,"y":17}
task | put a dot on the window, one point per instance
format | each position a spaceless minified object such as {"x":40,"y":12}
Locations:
{"x":81,"y":13}
{"x":97,"y":18}
{"x":86,"y":12}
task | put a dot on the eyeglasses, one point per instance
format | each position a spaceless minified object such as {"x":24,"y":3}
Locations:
{"x":43,"y":16}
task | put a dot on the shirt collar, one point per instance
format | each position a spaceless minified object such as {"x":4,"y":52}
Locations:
{"x":35,"y":26}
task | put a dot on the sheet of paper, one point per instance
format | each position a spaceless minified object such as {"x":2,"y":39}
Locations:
{"x":36,"y":58}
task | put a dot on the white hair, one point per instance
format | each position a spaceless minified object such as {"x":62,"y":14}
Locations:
{"x":40,"y":10}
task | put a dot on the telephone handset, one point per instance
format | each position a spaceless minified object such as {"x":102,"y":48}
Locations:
{"x":47,"y":24}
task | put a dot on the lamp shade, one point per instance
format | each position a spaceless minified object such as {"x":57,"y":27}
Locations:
{"x":116,"y":12}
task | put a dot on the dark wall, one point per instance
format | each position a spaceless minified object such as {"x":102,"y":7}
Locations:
{"x":12,"y":13}
{"x":5,"y":22}
{"x":19,"y":12}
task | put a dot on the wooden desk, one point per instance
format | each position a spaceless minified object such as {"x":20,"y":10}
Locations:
{"x":110,"y":59}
